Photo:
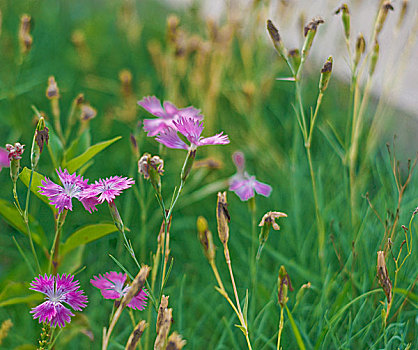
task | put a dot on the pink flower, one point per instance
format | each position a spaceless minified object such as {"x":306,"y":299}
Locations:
{"x":166,"y":115}
{"x":108,"y":189}
{"x":15,"y":151}
{"x":112,"y":286}
{"x":4,"y":158}
{"x":58,"y":290}
{"x":192,"y":130}
{"x":243,"y":184}
{"x":72,"y":187}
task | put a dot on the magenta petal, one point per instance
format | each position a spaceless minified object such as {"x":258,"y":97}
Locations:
{"x":189,"y":127}
{"x":169,"y":138}
{"x":262,"y":188}
{"x":110,"y":284}
{"x":170,"y":109}
{"x":218,"y":139}
{"x":45,"y":311}
{"x":239,"y":160}
{"x":245,"y":192}
{"x":76,"y":299}
{"x":152,"y":105}
{"x":62,"y":316}
{"x":43,"y":284}
{"x":4,"y":158}
{"x":139,"y":302}
{"x":155,"y":126}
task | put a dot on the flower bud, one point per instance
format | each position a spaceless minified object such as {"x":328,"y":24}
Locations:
{"x":374,"y":58}
{"x":382,"y":275}
{"x":325,"y":75}
{"x":294,"y":58}
{"x":360,"y":48}
{"x":25,"y":39}
{"x":15,"y":154}
{"x":283,"y":285}
{"x":205,"y":238}
{"x":40,"y":137}
{"x":381,"y":17}
{"x":223,"y":218}
{"x":87,"y":112}
{"x":275,"y":37}
{"x":345,"y":16}
{"x":52,"y":91}
{"x":309,"y":33}
{"x":114,"y":213}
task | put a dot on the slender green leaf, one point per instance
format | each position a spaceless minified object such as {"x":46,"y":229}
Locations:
{"x":21,"y":300}
{"x":295,"y":330}
{"x":24,"y":176}
{"x":79,"y":145}
{"x":82,"y":159}
{"x":13,"y":218}
{"x":245,"y":309}
{"x":55,"y":146}
{"x":86,"y":235}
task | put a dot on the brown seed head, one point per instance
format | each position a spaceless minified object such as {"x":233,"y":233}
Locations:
{"x":164,"y":329}
{"x":52,"y":90}
{"x":87,"y":112}
{"x":137,"y":285}
{"x":42,"y":137}
{"x":312,"y":25}
{"x":136,"y":336}
{"x":274,"y":33}
{"x":25,"y":39}
{"x":223,"y":218}
{"x":270,"y":217}
{"x":175,"y":342}
{"x":161,"y":310}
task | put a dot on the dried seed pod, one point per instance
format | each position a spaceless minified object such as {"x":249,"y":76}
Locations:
{"x":52,"y":90}
{"x":136,"y":336}
{"x":381,"y":17}
{"x":223,"y":218}
{"x":161,"y":310}
{"x":360,"y":48}
{"x":275,"y":37}
{"x":137,"y":285}
{"x":383,"y":276}
{"x":345,"y":16}
{"x":283,"y":286}
{"x":164,"y":329}
{"x":309,"y":32}
{"x":175,"y":342}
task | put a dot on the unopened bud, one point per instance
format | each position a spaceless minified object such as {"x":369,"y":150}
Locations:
{"x":52,"y":90}
{"x":374,"y":58}
{"x":40,"y":137}
{"x":125,"y":77}
{"x":275,"y":37}
{"x":283,"y":286}
{"x":360,"y":48}
{"x":223,"y":218}
{"x":294,"y":57}
{"x":205,"y":238}
{"x":114,"y":213}
{"x":175,"y":342}
{"x":137,"y":285}
{"x":14,"y":155}
{"x":381,"y":17}
{"x":345,"y":16}
{"x":309,"y":33}
{"x":383,"y":276}
{"x":325,"y":75}
{"x":25,"y":39}
{"x":87,"y":112}
{"x":136,"y":335}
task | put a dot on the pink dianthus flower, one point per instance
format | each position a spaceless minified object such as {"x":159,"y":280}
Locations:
{"x":58,"y":290}
{"x":112,"y":286}
{"x":107,"y":189}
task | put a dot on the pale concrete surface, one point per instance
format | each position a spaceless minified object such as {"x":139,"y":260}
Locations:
{"x":397,"y":70}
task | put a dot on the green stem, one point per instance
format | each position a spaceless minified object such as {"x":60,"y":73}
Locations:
{"x":26,"y":219}
{"x":279,"y":336}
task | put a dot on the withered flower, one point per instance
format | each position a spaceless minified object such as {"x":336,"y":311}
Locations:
{"x":383,"y":276}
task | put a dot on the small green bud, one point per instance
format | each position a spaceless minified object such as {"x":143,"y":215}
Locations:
{"x":40,"y":137}
{"x":117,"y":220}
{"x":309,"y":33}
{"x":325,"y":75}
{"x":205,"y":238}
{"x":275,"y":37}
{"x":283,"y":286}
{"x":374,"y":58}
{"x":345,"y":16}
{"x":294,"y":58}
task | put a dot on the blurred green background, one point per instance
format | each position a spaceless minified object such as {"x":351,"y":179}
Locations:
{"x":229,"y":72}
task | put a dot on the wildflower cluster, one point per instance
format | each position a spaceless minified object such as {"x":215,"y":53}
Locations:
{"x":74,"y":186}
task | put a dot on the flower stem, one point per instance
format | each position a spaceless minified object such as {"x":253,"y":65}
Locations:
{"x":279,"y":336}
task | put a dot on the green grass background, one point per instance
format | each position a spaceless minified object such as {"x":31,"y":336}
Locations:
{"x":264,"y":128}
